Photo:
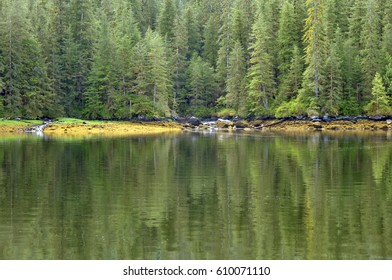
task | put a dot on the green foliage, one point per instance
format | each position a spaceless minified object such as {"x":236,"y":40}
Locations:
{"x":235,"y":84}
{"x":226,"y":113}
{"x":201,"y":86}
{"x":166,"y":20}
{"x":371,"y":37}
{"x":380,"y":102}
{"x":261,"y":84}
{"x":116,"y":59}
{"x":333,"y":73}
{"x":315,"y":48}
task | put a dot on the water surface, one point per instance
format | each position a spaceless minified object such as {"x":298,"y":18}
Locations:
{"x":197,"y":196}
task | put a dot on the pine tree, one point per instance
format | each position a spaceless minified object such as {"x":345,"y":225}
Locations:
{"x":211,"y":44}
{"x":25,"y":84}
{"x":261,"y":85}
{"x":315,"y":50}
{"x":334,"y":80}
{"x":166,"y":20}
{"x":371,"y":39}
{"x":286,"y":37}
{"x":387,"y":33}
{"x":180,"y":49}
{"x":225,"y":39}
{"x":201,"y":86}
{"x":98,"y":97}
{"x":77,"y":54}
{"x":243,"y":16}
{"x":152,"y":82}
{"x":194,"y":31}
{"x":380,"y":102}
{"x":388,"y":78}
{"x":236,"y":89}
{"x":126,"y":36}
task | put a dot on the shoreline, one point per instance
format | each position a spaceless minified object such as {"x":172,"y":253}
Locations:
{"x":81,"y":128}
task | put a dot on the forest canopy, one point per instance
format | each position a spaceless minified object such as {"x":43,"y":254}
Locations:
{"x":120,"y":59}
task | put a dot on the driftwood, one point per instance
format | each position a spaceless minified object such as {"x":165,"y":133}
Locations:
{"x":273,"y":124}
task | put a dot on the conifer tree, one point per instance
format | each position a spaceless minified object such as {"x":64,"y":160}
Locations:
{"x":236,"y":89}
{"x":180,"y":49}
{"x":99,"y":94}
{"x":225,"y":22}
{"x":166,"y":20}
{"x":25,"y":85}
{"x":380,"y":102}
{"x":194,"y":31}
{"x":315,"y":56}
{"x":371,"y":39}
{"x":211,"y":45}
{"x":286,"y":37}
{"x":334,"y":80}
{"x":201,"y":86}
{"x":126,"y":36}
{"x":152,"y":82}
{"x":261,"y":85}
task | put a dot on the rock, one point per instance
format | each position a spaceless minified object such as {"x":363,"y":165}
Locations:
{"x":257,"y":124}
{"x":194,"y":121}
{"x":241,"y":124}
{"x":224,"y":124}
{"x":389,"y":121}
{"x":378,"y":118}
{"x":357,"y":118}
{"x":317,"y":125}
{"x":344,"y":118}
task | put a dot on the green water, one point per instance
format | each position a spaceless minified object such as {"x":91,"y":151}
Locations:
{"x":197,"y":196}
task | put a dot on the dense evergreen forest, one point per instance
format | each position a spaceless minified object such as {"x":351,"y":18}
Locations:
{"x":154,"y":58}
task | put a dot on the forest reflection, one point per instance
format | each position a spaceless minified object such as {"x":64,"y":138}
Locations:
{"x":197,"y":196}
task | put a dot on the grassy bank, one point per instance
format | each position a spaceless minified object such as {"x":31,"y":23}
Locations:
{"x":76,"y":127}
{"x":14,"y":126}
{"x":337,"y":125}
{"x":69,"y":127}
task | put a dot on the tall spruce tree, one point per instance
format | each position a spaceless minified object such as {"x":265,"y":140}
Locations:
{"x":236,"y":88}
{"x":201,"y":86}
{"x":286,"y":38}
{"x":315,"y":56}
{"x":334,"y":77}
{"x":126,"y":36}
{"x":371,"y":38}
{"x":166,"y":20}
{"x":25,"y":84}
{"x":152,"y":81}
{"x":98,"y":97}
{"x":261,"y":85}
{"x":180,"y":50}
{"x":380,"y":102}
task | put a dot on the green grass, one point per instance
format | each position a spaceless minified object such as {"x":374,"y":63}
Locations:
{"x":21,"y":122}
{"x":76,"y":121}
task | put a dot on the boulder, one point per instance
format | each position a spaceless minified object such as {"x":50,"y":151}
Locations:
{"x":224,"y":124}
{"x":378,"y":118}
{"x":315,"y":119}
{"x":194,"y":121}
{"x":241,"y":124}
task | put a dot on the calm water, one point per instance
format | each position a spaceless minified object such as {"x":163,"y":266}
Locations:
{"x":195,"y":196}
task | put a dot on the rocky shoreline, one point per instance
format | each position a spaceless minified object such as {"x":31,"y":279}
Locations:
{"x":125,"y":128}
{"x":292,"y":124}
